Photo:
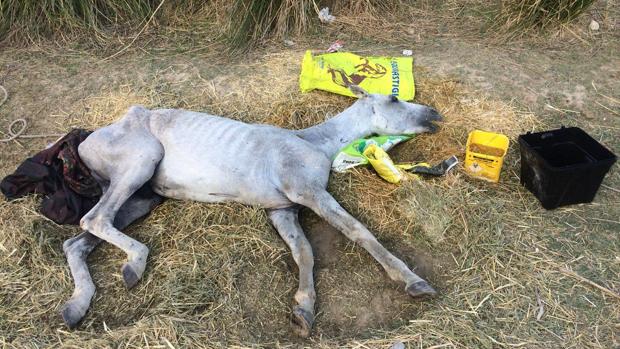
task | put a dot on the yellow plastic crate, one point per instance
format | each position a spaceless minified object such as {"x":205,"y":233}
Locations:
{"x":484,"y":155}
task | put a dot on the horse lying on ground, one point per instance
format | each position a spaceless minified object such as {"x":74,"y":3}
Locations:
{"x":171,"y":151}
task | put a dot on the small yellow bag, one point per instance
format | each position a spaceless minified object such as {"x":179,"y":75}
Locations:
{"x":382,"y":163}
{"x":334,"y":72}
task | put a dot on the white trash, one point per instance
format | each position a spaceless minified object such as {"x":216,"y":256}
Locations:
{"x":325,"y":17}
{"x":594,"y":26}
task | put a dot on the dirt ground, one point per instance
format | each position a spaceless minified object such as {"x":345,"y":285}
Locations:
{"x":219,"y":276}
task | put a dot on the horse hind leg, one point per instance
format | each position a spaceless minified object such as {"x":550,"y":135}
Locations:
{"x":99,"y":222}
{"x":126,"y":154}
{"x":78,"y":248}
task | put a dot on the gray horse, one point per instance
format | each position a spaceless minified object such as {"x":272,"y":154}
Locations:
{"x":187,"y":155}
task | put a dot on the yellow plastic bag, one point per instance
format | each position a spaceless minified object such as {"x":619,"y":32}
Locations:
{"x":333,"y":72}
{"x":382,"y":163}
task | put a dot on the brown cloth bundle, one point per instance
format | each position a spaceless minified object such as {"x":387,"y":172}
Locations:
{"x":57,"y":173}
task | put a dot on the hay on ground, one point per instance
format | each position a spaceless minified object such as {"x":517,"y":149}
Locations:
{"x":219,"y":276}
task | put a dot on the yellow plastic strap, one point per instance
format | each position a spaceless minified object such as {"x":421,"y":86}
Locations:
{"x":409,"y":166}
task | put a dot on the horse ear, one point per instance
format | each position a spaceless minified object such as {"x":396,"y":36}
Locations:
{"x":358,"y":91}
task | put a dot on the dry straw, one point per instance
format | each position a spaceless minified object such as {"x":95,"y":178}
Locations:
{"x":219,"y":276}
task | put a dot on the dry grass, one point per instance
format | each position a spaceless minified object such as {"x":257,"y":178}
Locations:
{"x":96,"y":21}
{"x":219,"y":276}
{"x":524,"y":17}
{"x":110,"y":25}
{"x":242,"y":24}
{"x":251,"y":22}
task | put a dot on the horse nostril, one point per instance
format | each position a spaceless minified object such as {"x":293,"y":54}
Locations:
{"x":433,"y":115}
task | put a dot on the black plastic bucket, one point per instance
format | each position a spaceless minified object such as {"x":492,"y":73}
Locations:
{"x":564,"y":166}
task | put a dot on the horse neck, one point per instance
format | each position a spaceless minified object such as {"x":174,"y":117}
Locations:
{"x":335,"y":133}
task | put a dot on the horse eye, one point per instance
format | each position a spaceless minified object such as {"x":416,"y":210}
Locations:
{"x":394,"y":99}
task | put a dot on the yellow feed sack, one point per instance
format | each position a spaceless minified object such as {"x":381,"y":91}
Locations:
{"x":334,"y":72}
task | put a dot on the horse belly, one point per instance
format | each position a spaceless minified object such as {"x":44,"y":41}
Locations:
{"x":212,"y":179}
{"x":214,"y":159}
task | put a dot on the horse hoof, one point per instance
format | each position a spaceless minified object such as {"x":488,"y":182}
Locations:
{"x":71,"y":315}
{"x":420,"y":289}
{"x":302,"y":322}
{"x":129,"y":276}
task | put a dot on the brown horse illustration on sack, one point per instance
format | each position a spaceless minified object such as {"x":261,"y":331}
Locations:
{"x":362,"y":71}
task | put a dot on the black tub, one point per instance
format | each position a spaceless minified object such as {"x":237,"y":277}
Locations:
{"x":564,"y":166}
